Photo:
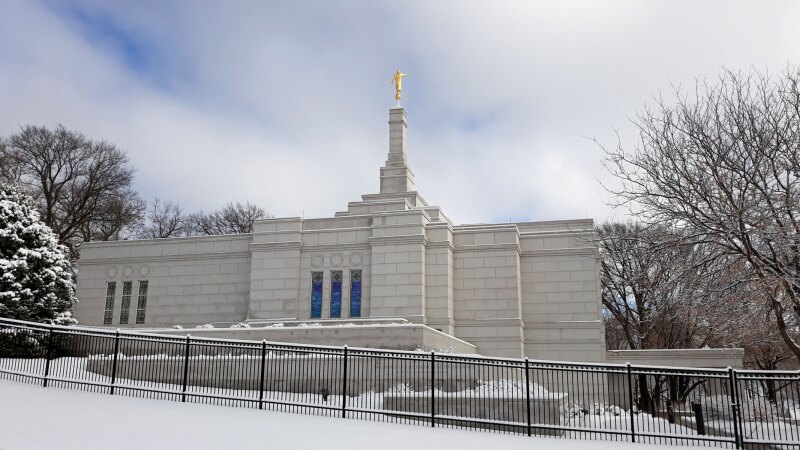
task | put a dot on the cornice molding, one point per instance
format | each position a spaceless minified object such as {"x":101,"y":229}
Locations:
{"x":554,"y":233}
{"x":164,"y":241}
{"x":334,"y":247}
{"x":593,"y":342}
{"x":485,"y":228}
{"x":398,"y":239}
{"x":440,"y":244}
{"x":268,"y":246}
{"x":587,"y":325}
{"x":162,"y":258}
{"x":581,"y":251}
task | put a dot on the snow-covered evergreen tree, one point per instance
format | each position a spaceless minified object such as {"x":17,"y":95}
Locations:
{"x":35,"y":272}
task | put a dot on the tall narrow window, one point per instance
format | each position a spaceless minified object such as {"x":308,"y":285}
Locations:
{"x":316,"y":295}
{"x":141,"y":303}
{"x":336,"y":294}
{"x":124,"y":312}
{"x":355,"y":293}
{"x":111,"y":290}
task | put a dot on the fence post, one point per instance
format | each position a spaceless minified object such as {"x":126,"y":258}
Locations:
{"x":261,"y":382}
{"x":630,"y":401}
{"x":528,"y":393}
{"x":186,"y":368}
{"x":344,"y":384}
{"x":47,"y":356}
{"x":734,"y":393}
{"x":433,"y":390}
{"x":699,"y":421}
{"x":114,"y":365}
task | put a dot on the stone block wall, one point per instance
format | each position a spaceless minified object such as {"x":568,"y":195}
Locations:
{"x":190,"y":280}
{"x":513,"y":290}
{"x":275,"y":275}
{"x":487,"y":289}
{"x":287,"y":251}
{"x":561,"y":304}
{"x":439,"y":278}
{"x":382,"y":336}
{"x":398,"y":265}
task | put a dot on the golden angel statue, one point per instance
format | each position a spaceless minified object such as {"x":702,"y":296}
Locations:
{"x":397,"y":79}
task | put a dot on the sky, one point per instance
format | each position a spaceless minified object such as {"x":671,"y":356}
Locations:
{"x":285,"y":104}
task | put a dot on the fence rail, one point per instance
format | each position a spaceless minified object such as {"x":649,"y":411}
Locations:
{"x":723,"y":407}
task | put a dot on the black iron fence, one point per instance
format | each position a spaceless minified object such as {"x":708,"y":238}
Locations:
{"x":721,"y":407}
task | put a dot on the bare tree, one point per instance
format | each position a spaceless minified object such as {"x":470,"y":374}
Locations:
{"x":653,"y":285}
{"x":83,"y":188}
{"x":656,"y":295}
{"x":748,"y":322}
{"x":752,"y":326}
{"x":661,"y":291}
{"x":164,"y":219}
{"x":233,"y":218}
{"x":121,"y":218}
{"x":723,"y":166}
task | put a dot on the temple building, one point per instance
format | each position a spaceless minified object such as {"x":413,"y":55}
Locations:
{"x":389,"y":264}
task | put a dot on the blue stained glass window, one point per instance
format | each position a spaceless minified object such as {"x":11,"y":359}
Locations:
{"x":316,"y":295}
{"x":355,"y":293}
{"x":336,"y":294}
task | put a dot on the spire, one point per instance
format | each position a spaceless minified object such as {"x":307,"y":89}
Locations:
{"x":396,"y":177}
{"x":397,"y":138}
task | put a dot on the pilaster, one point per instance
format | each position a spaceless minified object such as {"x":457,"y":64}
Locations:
{"x":398,"y":265}
{"x":275,"y":268}
{"x":439,"y":277}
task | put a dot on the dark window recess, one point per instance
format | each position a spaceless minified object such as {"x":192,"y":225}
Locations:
{"x":124,"y":312}
{"x":141,"y":302}
{"x":111,"y":290}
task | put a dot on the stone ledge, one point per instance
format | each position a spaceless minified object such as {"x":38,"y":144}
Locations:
{"x":570,"y":251}
{"x":487,"y":247}
{"x":162,"y":258}
{"x":394,"y":336}
{"x":440,"y":244}
{"x":285,"y":245}
{"x":333,"y":247}
{"x":398,"y":239}
{"x":695,"y":357}
{"x":183,"y":239}
{"x":583,"y":324}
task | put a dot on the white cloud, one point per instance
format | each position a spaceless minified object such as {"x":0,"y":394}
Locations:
{"x":287,"y":105}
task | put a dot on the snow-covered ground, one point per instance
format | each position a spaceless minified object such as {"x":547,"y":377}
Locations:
{"x":33,"y":417}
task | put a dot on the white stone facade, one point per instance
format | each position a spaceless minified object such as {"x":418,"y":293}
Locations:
{"x":514,"y":289}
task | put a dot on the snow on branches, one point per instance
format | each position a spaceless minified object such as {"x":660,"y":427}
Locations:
{"x":35,"y":272}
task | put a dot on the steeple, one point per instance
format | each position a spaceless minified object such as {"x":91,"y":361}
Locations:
{"x":396,"y":177}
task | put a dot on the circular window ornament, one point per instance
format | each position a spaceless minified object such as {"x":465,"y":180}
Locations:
{"x":112,"y":272}
{"x":355,"y":259}
{"x":144,"y":271}
{"x":336,"y":260}
{"x":316,"y":260}
{"x":127,"y":271}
